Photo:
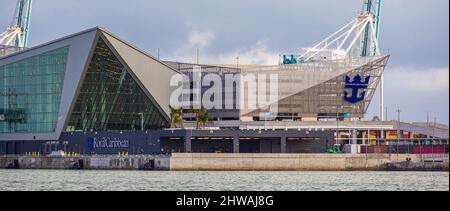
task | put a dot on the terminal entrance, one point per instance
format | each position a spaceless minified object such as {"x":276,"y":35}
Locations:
{"x":198,"y":145}
{"x":212,"y":145}
{"x":259,"y":145}
{"x":172,"y":145}
{"x":250,"y":142}
{"x":306,"y":145}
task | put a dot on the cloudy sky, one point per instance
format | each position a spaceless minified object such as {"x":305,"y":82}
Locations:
{"x":414,"y":32}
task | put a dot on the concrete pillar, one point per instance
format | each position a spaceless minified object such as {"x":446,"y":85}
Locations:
{"x":283,"y":144}
{"x":236,"y":144}
{"x":364,"y":137}
{"x":188,"y":144}
{"x":354,"y":138}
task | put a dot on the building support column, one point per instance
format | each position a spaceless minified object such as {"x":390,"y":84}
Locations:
{"x":354,"y":137}
{"x":283,"y":144}
{"x":236,"y":145}
{"x":188,"y":144}
{"x":364,"y":137}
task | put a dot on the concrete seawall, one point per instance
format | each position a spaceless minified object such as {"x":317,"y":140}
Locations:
{"x":235,"y":162}
{"x":88,"y":163}
{"x":299,"y":162}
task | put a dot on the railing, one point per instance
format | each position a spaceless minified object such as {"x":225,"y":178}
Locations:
{"x":435,"y":157}
{"x":411,"y":148}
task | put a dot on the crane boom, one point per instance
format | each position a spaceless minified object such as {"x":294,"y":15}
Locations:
{"x":368,"y":11}
{"x":359,"y":38}
{"x":27,"y":22}
{"x":377,"y":34}
{"x":371,"y":8}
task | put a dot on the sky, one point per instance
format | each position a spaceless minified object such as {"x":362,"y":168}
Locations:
{"x":414,"y":32}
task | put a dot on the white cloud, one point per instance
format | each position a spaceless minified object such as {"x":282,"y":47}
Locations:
{"x":200,"y":39}
{"x":257,"y":53}
{"x":418,"y":80}
{"x":415,"y":92}
{"x":195,"y":40}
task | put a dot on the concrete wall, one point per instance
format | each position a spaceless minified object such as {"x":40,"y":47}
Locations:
{"x":238,"y":162}
{"x":285,"y":162}
{"x":78,"y":142}
{"x":90,"y":163}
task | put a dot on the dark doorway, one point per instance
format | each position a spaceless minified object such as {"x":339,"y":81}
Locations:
{"x":172,"y":145}
{"x":2,"y":148}
{"x":212,"y":146}
{"x":265,"y":145}
{"x":306,"y":145}
{"x":249,"y":146}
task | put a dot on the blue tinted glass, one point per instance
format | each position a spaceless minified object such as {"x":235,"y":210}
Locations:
{"x":30,"y":92}
{"x":110,"y":99}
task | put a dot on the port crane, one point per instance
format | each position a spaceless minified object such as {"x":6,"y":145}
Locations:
{"x":16,"y":37}
{"x":18,"y":32}
{"x":359,"y":38}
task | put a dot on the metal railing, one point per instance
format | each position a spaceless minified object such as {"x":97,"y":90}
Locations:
{"x":431,"y":147}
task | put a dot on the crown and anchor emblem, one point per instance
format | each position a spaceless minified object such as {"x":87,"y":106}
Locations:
{"x":356,"y":85}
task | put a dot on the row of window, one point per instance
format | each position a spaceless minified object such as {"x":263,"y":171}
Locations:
{"x":34,"y":80}
{"x":28,"y":127}
{"x":30,"y":100}
{"x":31,"y":71}
{"x":31,"y":92}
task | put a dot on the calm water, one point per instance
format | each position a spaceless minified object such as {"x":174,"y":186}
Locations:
{"x":221,"y":181}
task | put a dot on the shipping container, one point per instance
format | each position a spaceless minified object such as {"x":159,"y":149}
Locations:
{"x":400,"y":149}
{"x":430,"y":150}
{"x":373,"y":149}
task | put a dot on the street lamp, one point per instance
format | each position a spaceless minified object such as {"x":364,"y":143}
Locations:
{"x":398,"y":130}
{"x":398,"y":119}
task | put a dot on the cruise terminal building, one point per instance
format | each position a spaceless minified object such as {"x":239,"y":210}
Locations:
{"x":93,"y":93}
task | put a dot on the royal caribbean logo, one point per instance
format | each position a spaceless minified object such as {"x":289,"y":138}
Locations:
{"x":94,"y":143}
{"x":356,"y":85}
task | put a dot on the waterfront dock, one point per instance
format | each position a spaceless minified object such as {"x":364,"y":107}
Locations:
{"x":308,"y":162}
{"x":140,"y":162}
{"x":237,"y":162}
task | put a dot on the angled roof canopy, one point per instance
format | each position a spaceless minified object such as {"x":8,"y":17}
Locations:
{"x":143,"y":76}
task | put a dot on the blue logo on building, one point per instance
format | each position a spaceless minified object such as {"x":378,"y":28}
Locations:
{"x":90,"y":144}
{"x":106,"y":143}
{"x":356,"y":85}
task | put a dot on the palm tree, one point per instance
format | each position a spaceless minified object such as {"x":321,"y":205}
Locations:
{"x":193,"y":110}
{"x":202,"y":117}
{"x":176,"y":117}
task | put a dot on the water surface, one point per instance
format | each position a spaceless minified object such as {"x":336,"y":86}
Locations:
{"x":58,"y":180}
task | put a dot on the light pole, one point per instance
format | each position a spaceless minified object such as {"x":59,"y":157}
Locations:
{"x":398,"y":119}
{"x":434,"y":127}
{"x":386,"y":114}
{"x":337,"y":131}
{"x":198,"y":56}
{"x":398,"y":130}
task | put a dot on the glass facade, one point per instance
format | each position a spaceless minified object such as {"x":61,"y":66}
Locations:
{"x":111,"y":100}
{"x":30,"y":92}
